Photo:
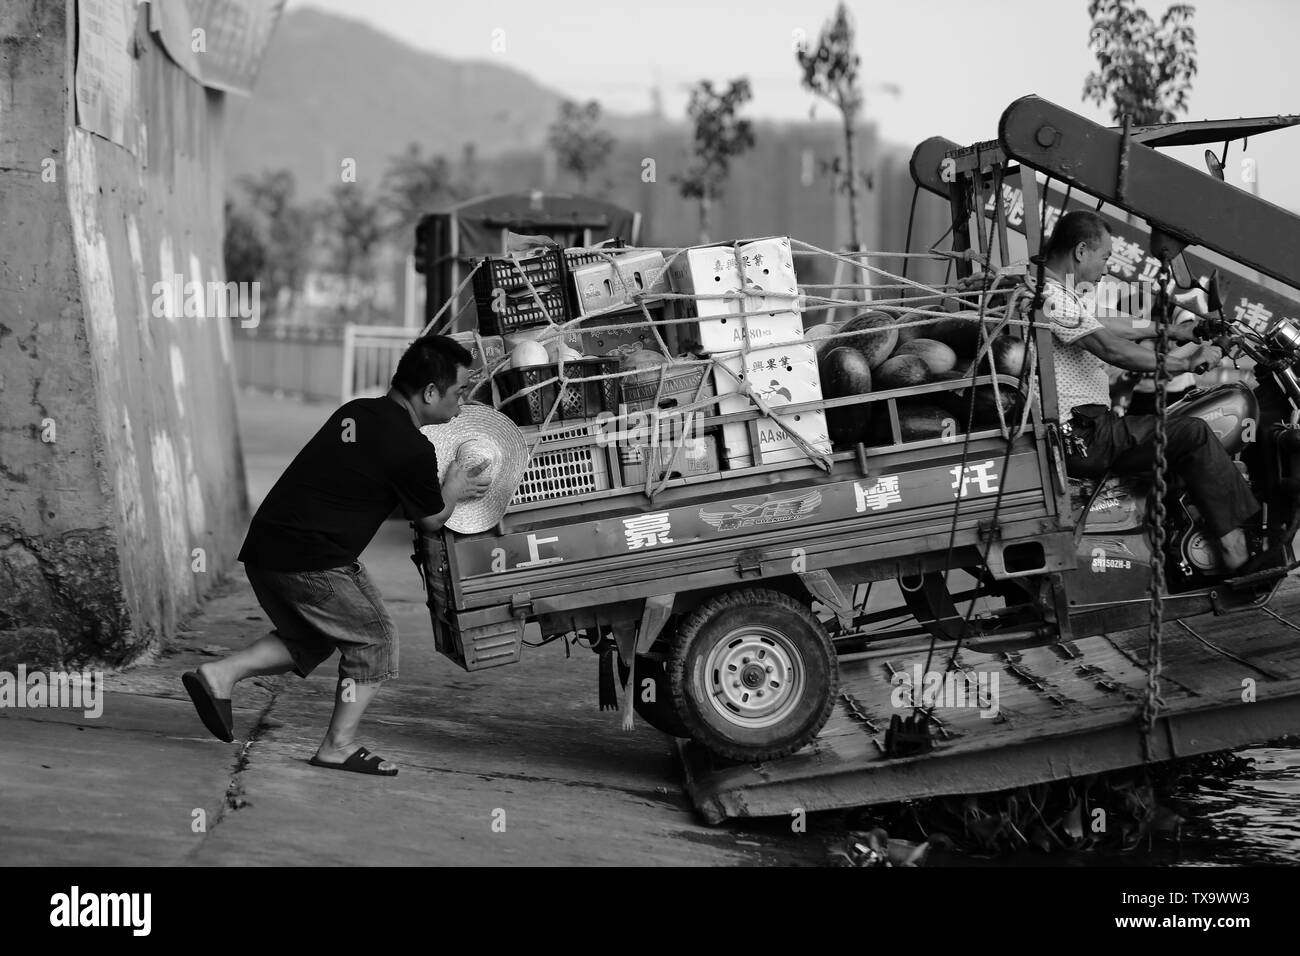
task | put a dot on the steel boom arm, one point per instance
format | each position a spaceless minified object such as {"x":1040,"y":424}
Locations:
{"x":1170,"y":195}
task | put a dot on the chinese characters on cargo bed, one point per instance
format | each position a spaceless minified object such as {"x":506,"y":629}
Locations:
{"x":656,"y":531}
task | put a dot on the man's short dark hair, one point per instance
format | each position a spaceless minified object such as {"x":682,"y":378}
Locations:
{"x":434,"y":358}
{"x":1082,"y":225}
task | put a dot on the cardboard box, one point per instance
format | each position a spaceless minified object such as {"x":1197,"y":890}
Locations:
{"x":727,"y":334}
{"x":779,"y":376}
{"x":699,"y":456}
{"x":492,"y":351}
{"x":631,"y":334}
{"x":678,"y":386}
{"x":600,"y":286}
{"x":775,"y":445}
{"x":768,"y":265}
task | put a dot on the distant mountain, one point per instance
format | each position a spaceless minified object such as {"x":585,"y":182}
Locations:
{"x":331,"y":88}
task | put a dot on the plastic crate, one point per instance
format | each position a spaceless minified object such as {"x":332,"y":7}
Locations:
{"x":503,"y":297}
{"x":639,"y":391}
{"x":566,"y":472}
{"x":581,"y":399}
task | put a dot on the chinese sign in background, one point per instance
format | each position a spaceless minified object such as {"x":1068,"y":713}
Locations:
{"x":1243,"y":298}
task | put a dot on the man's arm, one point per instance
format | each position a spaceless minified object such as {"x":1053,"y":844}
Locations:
{"x":1133,"y":329}
{"x":1116,"y":350}
{"x":431,"y":523}
{"x":457,"y":486}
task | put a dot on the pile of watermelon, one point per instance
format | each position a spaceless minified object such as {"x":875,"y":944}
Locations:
{"x":879,"y":356}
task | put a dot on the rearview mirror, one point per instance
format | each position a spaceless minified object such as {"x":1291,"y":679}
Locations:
{"x":1213,"y":296}
{"x":1213,"y":165}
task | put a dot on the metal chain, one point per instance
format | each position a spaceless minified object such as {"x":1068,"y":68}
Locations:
{"x":1153,"y":701}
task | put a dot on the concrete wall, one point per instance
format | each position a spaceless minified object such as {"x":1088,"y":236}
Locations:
{"x":99,"y":526}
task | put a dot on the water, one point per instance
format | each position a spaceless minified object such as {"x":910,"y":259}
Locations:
{"x":1255,"y":819}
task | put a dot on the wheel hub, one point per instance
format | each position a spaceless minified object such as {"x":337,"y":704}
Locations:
{"x":755,"y":676}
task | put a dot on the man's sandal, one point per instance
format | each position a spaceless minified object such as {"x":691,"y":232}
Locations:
{"x":361,"y":761}
{"x":214,"y":711}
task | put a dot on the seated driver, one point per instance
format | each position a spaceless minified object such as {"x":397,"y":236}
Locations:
{"x":1125,"y":445}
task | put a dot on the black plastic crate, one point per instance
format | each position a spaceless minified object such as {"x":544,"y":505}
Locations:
{"x":503,"y":297}
{"x":581,"y":399}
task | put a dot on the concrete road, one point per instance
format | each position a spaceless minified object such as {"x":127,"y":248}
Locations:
{"x":512,"y":765}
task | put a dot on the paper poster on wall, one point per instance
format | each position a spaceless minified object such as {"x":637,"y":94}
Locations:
{"x":218,"y":42}
{"x":237,"y":34}
{"x":104,"y":86}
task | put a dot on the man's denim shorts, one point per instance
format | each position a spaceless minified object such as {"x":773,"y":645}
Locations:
{"x":315,"y":612}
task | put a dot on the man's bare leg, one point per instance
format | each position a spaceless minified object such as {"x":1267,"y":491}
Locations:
{"x":1235,"y":552}
{"x":350,"y":703}
{"x":266,"y":655}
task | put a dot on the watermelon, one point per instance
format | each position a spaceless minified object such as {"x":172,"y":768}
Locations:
{"x":921,"y":419}
{"x":908,"y":333}
{"x":938,"y":357}
{"x":844,"y":371}
{"x":821,"y":331}
{"x":1008,"y":355}
{"x":873,"y":342}
{"x":958,"y":404}
{"x":961,"y":333}
{"x":918,"y":419}
{"x":901,"y":371}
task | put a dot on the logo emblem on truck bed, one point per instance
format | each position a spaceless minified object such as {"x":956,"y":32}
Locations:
{"x":770,"y":509}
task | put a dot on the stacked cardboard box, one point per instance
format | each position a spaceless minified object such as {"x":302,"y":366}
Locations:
{"x":599,"y":286}
{"x":765,"y":349}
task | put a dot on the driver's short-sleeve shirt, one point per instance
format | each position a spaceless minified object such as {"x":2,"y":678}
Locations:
{"x":1081,"y":377}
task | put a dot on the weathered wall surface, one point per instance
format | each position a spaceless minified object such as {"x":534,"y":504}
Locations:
{"x":119,"y":448}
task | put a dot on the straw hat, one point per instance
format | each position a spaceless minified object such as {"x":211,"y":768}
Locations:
{"x":486,"y":442}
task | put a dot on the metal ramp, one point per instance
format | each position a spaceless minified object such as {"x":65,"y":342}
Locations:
{"x":1065,"y":710}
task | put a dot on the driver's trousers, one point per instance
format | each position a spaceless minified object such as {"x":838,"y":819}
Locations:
{"x":1126,"y":445}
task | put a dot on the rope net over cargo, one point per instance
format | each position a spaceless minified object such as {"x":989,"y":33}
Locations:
{"x":895,"y":301}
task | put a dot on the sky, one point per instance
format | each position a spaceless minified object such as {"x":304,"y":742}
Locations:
{"x":956,"y":63}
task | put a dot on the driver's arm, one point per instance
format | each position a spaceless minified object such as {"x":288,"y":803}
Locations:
{"x":1133,"y":329}
{"x":1127,"y":354}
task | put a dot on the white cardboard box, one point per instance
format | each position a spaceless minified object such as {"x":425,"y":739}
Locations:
{"x":598,"y":287}
{"x":780,"y":376}
{"x":768,"y":265}
{"x":726,"y":334}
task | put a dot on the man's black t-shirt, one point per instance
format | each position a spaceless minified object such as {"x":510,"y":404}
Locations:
{"x":365,"y":461}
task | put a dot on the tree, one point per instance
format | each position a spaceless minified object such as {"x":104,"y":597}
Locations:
{"x":1145,"y":69}
{"x":413,"y":185}
{"x":581,"y":146}
{"x":467,"y":176}
{"x":831,"y":72}
{"x":355,"y":227}
{"x":287,"y":228}
{"x":720,"y":136}
{"x":242,"y":246}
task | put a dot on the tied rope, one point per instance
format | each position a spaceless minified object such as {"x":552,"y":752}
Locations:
{"x":902,"y":306}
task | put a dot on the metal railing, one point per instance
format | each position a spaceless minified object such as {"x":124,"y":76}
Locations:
{"x":296,"y":360}
{"x":320,"y":364}
{"x":370,"y":356}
